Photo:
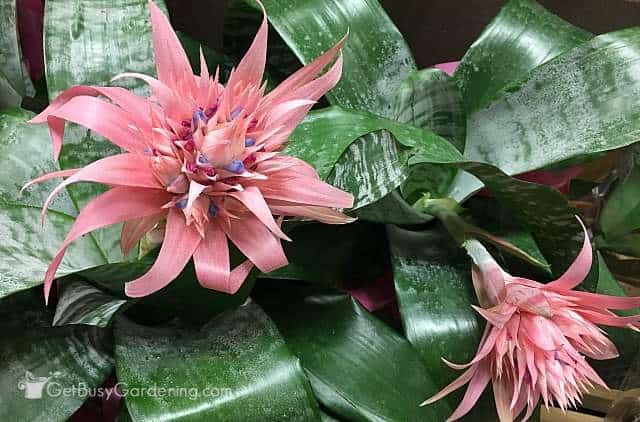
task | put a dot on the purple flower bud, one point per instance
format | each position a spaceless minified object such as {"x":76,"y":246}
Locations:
{"x":249,"y":142}
{"x":235,"y":166}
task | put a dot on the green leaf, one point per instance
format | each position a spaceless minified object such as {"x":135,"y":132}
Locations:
{"x":12,"y":68}
{"x":81,"y":303}
{"x":520,"y":38}
{"x":237,"y":367}
{"x":435,"y":294}
{"x":67,"y":362}
{"x":582,"y":102}
{"x":376,"y":57}
{"x":359,"y":368}
{"x":27,"y":248}
{"x":25,"y":153}
{"x":621,"y":213}
{"x":351,"y":254}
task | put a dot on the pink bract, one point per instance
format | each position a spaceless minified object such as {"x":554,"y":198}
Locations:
{"x":536,"y":338}
{"x":203,"y":156}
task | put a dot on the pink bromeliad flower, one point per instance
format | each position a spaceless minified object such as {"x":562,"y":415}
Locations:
{"x":536,"y":338}
{"x":204,"y":157}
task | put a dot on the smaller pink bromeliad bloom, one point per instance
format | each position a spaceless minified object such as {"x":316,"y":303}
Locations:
{"x":536,"y":338}
{"x":202,"y":155}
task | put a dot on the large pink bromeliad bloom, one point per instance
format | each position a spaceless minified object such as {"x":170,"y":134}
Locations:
{"x":536,"y":338}
{"x":202,"y":155}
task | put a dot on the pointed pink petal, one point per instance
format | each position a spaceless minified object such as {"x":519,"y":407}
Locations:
{"x":172,"y":64}
{"x":497,"y":316}
{"x":456,"y":384}
{"x":134,"y":230}
{"x":114,"y":206}
{"x":104,"y":118}
{"x":180,"y":242}
{"x":578,"y":270}
{"x":238,"y":275}
{"x":502,"y":399}
{"x":251,"y":68}
{"x":604,"y":301}
{"x":49,"y":176}
{"x":212,"y":260}
{"x":321,"y":214}
{"x":304,"y":75}
{"x":195,"y":189}
{"x":476,"y":386}
{"x":611,"y":320}
{"x":253,"y":200}
{"x":117,"y":170}
{"x":257,"y":243}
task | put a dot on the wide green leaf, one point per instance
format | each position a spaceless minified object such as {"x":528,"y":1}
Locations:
{"x":520,"y":38}
{"x":582,"y":102}
{"x":359,"y":368}
{"x":12,"y":68}
{"x":236,"y":367}
{"x":47,"y":372}
{"x":81,"y":303}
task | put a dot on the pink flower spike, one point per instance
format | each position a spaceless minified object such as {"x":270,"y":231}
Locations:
{"x":536,"y":337}
{"x":205,"y":156}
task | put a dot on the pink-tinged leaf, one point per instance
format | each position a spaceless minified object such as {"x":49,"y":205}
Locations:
{"x":180,"y":242}
{"x":253,"y":200}
{"x":212,"y":260}
{"x":114,"y":206}
{"x":116,"y":170}
{"x":172,"y":64}
{"x":578,"y":270}
{"x":134,"y":230}
{"x":376,"y":295}
{"x":257,"y":243}
{"x":30,"y":24}
{"x":557,"y":179}
{"x":449,"y":67}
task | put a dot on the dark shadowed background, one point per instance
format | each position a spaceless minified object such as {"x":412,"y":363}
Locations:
{"x":437,"y":30}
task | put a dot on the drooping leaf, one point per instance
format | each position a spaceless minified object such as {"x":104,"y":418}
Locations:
{"x":236,"y":367}
{"x":621,"y":213}
{"x":12,"y":68}
{"x":582,"y":102}
{"x":336,"y":256}
{"x":520,"y":38}
{"x":47,"y":372}
{"x":359,"y":368}
{"x":81,"y":303}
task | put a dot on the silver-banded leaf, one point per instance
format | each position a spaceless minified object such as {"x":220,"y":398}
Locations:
{"x":520,"y":38}
{"x":236,"y":367}
{"x":47,"y":372}
{"x":12,"y":67}
{"x":81,"y":303}
{"x":359,"y":368}
{"x":582,"y":102}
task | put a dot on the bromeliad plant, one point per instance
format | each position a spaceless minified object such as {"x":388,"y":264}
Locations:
{"x":220,"y":169}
